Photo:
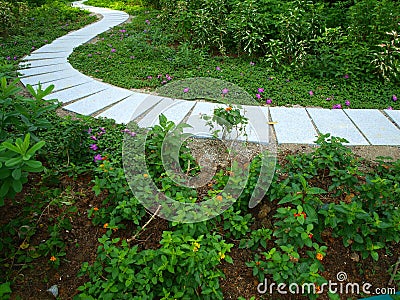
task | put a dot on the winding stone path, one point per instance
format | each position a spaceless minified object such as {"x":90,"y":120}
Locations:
{"x":84,"y":95}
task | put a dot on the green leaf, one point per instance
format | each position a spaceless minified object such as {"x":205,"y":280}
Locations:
{"x":4,"y":190}
{"x":13,"y":162}
{"x":16,"y":174}
{"x":17,"y":186}
{"x":35,"y":148}
{"x":375,"y":255}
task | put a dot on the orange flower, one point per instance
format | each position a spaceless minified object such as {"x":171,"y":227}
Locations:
{"x":219,"y":198}
{"x":105,"y":225}
{"x":296,"y":215}
{"x":228,"y":108}
{"x":95,"y":209}
{"x":53,"y":258}
{"x":317,"y":288}
{"x":257,"y":263}
{"x":115,"y":229}
{"x":319,"y":256}
{"x":304,"y":215}
{"x":145,"y":175}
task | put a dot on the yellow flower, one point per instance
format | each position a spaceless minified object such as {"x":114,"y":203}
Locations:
{"x":196,"y":246}
{"x":219,"y":198}
{"x":102,"y":166}
{"x":105,"y":225}
{"x":221,"y":255}
{"x":53,"y":258}
{"x":145,"y":175}
{"x":319,"y":256}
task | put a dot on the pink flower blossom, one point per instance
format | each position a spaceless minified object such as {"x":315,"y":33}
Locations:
{"x":260,"y":90}
{"x":258,"y":96}
{"x":346,"y":76}
{"x":347,"y":103}
{"x":252,"y":63}
{"x":93,"y":147}
{"x":147,"y":22}
{"x":337,"y":106}
{"x":311,"y":93}
{"x":185,"y":90}
{"x":390,"y":108}
{"x":225,"y":91}
{"x":269,"y":101}
{"x":218,"y":68}
{"x":98,"y":157}
{"x":394,"y":98}
{"x":113,"y":50}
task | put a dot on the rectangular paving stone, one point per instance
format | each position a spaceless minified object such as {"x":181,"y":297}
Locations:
{"x":394,"y":115}
{"x":96,"y":102}
{"x":44,"y":69}
{"x":199,"y":127}
{"x":45,"y":55}
{"x":294,"y":125}
{"x":78,"y":91}
{"x":257,"y":129}
{"x":43,"y":62}
{"x":151,"y":118}
{"x":376,"y":127}
{"x":68,"y":82}
{"x":130,"y":108}
{"x":336,"y":122}
{"x":178,"y":111}
{"x":34,"y":80}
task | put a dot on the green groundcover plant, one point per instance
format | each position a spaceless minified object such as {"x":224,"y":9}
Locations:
{"x":333,"y":56}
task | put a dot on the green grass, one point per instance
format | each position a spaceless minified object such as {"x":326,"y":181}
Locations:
{"x":39,"y":26}
{"x":145,"y":55}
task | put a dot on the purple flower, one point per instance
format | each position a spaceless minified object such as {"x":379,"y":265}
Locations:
{"x":113,"y":50}
{"x":185,"y":90}
{"x":145,"y":31}
{"x":102,"y":129}
{"x":149,"y":77}
{"x":258,"y":96}
{"x":328,"y":99}
{"x":311,"y":93}
{"x":122,"y":30}
{"x":390,"y":108}
{"x":269,"y":101}
{"x":15,"y":57}
{"x":89,"y":131}
{"x":346,"y":76}
{"x":97,"y":157}
{"x":337,"y":106}
{"x":93,"y":138}
{"x":46,"y":41}
{"x":147,"y":22}
{"x":89,"y":55}
{"x":131,"y":133}
{"x":260,"y":90}
{"x":8,"y":57}
{"x":132,"y":57}
{"x":394,"y":98}
{"x":225,"y":91}
{"x":159,"y":76}
{"x":33,"y":47}
{"x":168,"y":77}
{"x":218,"y":68}
{"x":252,"y":63}
{"x":347,"y":103}
{"x":94,"y":147}
{"x":163,"y":82}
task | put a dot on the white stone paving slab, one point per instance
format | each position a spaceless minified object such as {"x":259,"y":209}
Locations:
{"x":336,"y":122}
{"x":257,"y":129}
{"x":45,"y":55}
{"x":294,"y":125}
{"x":199,"y":127}
{"x":44,"y":69}
{"x":394,"y":115}
{"x":69,"y":82}
{"x":178,"y":111}
{"x":96,"y":102}
{"x":78,"y":91}
{"x":376,"y":127}
{"x":43,"y":62}
{"x":130,"y":108}
{"x":151,"y":118}
{"x":49,"y":77}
